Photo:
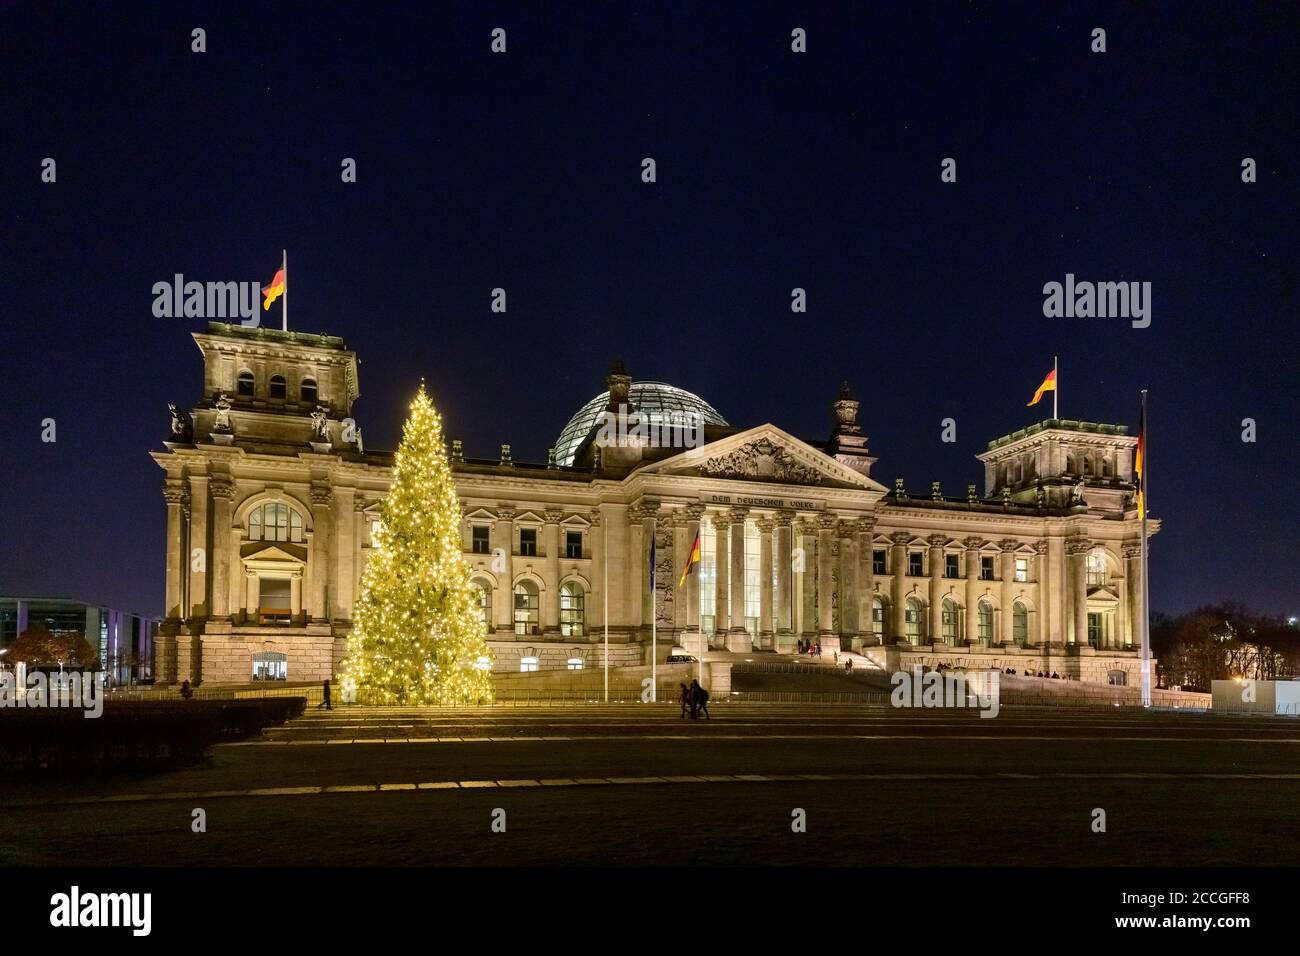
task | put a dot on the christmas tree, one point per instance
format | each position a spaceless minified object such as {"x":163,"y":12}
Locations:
{"x":417,"y":635}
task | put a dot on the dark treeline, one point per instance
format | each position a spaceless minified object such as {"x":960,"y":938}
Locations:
{"x":1222,"y":641}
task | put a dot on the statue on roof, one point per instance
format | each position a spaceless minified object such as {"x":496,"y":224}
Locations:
{"x":182,"y":427}
{"x":222,"y":405}
{"x":319,"y":424}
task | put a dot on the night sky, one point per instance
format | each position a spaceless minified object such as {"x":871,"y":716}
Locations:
{"x":775,"y":170}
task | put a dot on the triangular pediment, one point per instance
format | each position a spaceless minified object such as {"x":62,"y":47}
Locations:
{"x":764,"y":454}
{"x":272,"y":552}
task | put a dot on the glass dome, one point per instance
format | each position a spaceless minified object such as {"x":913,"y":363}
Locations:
{"x":657,"y":402}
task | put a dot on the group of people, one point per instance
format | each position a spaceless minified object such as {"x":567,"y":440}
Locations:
{"x":696,"y":699}
{"x":1029,"y":673}
{"x":811,"y":648}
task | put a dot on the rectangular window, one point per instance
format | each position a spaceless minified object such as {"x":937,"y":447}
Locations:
{"x":950,"y":569}
{"x":753,"y":577}
{"x":1022,"y":570}
{"x":479,"y":533}
{"x":914,"y":564}
{"x":1094,"y":630}
{"x":708,"y":572}
{"x":528,"y":542}
{"x":573,"y":544}
{"x":878,"y":562}
{"x":986,"y":567}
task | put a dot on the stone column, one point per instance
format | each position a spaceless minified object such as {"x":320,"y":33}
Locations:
{"x":722,"y":576}
{"x":1133,"y":604}
{"x":295,"y":596}
{"x":250,"y":597}
{"x":805,"y":537}
{"x":936,"y":543}
{"x":595,"y":609}
{"x":682,"y":540}
{"x":319,"y":554}
{"x":766,"y":628}
{"x":551,"y":596}
{"x":1077,"y":549}
{"x":737,"y":632}
{"x":223,"y":493}
{"x":198,"y":564}
{"x":504,"y":601}
{"x":866,"y":581}
{"x":973,"y":546}
{"x":899,"y":540}
{"x":825,"y":581}
{"x":649,"y":515}
{"x":1038,"y":630}
{"x":1059,"y":590}
{"x":849,"y":627}
{"x":344,"y":547}
{"x":1008,"y":546}
{"x":177,"y":559}
{"x":784,"y":534}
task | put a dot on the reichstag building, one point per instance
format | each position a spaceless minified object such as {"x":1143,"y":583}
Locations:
{"x":272,"y":501}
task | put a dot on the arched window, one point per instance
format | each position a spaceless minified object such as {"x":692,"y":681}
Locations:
{"x":483,"y":600}
{"x":275,"y":521}
{"x":1096,"y":568}
{"x":526,"y":608}
{"x":571,"y":610}
{"x":985,"y":621}
{"x":912,"y":621}
{"x":949,"y":619}
{"x":278,"y":388}
{"x":878,"y":619}
{"x":1020,"y":624}
{"x":244,"y":386}
{"x":307,"y":391}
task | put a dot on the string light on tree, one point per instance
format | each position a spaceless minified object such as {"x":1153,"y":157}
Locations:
{"x":418,"y":636}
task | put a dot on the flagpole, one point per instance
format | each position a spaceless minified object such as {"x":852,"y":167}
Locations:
{"x":605,"y":587}
{"x":284,"y":299}
{"x":1146,"y":592}
{"x":1056,"y":380}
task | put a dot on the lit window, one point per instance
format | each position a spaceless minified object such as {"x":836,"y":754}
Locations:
{"x":1020,"y":624}
{"x":575,"y":663}
{"x":708,"y":572}
{"x":753,"y":577}
{"x":1096,"y":568}
{"x":1022,"y":569}
{"x":245,"y":384}
{"x":483,"y":601}
{"x":912,"y":621}
{"x":275,"y":521}
{"x":527,"y":664}
{"x":278,"y":388}
{"x":949,"y":621}
{"x":307,"y":391}
{"x":571,"y":610}
{"x":270,"y":665}
{"x":573,"y":544}
{"x":985,"y":621}
{"x":878,"y":619}
{"x":526,"y":608}
{"x":1094,"y":630}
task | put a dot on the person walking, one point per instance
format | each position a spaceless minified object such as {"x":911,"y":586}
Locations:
{"x":700,"y":700}
{"x":186,"y":693}
{"x":685,"y":699}
{"x":325,"y":695}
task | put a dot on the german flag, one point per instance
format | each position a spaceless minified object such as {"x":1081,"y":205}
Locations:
{"x":1049,"y":385}
{"x":276,"y":288}
{"x":692,"y":560}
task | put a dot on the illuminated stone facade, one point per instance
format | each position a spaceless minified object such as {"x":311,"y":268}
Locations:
{"x":270,"y":511}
